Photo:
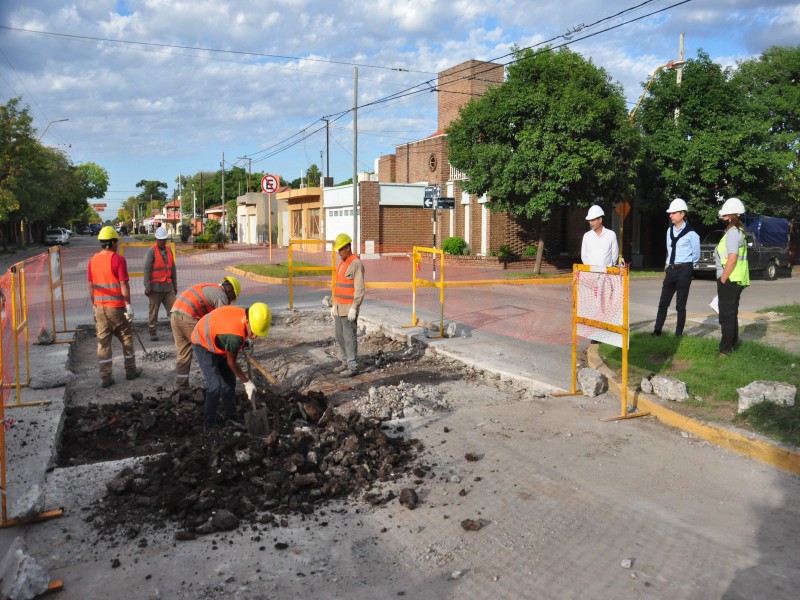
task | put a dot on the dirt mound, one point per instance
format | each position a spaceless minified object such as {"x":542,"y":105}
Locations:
{"x":212,"y":481}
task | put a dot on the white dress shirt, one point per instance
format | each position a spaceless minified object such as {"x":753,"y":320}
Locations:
{"x":600,"y":250}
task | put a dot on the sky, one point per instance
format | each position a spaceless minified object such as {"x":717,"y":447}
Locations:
{"x":157,"y":88}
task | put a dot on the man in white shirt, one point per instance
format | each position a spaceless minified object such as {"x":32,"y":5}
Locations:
{"x":599,"y":247}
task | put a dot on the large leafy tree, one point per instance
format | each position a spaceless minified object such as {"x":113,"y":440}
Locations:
{"x":554,"y":135}
{"x":771,"y":83}
{"x":711,"y":151}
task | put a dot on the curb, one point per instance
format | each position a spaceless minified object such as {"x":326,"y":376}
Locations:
{"x":740,"y":441}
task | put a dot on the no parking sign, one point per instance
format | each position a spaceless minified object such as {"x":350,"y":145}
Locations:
{"x":269,"y":183}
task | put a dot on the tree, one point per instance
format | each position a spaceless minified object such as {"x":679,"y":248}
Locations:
{"x":152,"y":190}
{"x":772,"y":84}
{"x":554,"y":135}
{"x":711,"y":152}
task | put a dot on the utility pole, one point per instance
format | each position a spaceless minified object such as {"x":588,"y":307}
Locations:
{"x":355,"y":246}
{"x":222,"y":164}
{"x":327,"y":148}
{"x":680,"y":75}
{"x":194,"y":212}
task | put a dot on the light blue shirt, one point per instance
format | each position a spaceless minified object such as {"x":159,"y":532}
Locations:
{"x":688,"y":248}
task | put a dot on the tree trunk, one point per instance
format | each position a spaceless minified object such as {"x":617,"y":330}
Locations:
{"x":539,"y":252}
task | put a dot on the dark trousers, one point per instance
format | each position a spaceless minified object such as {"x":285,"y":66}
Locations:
{"x":676,"y":281}
{"x":220,"y":383}
{"x":728,"y":295}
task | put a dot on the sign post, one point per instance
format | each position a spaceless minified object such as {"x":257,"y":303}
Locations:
{"x":622,"y":209}
{"x":431,"y":200}
{"x":269,"y":185}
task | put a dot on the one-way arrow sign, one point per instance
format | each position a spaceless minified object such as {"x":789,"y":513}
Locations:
{"x":431,"y":195}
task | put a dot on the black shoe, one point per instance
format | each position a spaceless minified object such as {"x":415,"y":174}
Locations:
{"x":153,"y":337}
{"x":655,"y":333}
{"x":133,"y":374}
{"x":678,"y":335}
{"x":107,"y":382}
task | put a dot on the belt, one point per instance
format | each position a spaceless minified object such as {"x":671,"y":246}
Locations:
{"x":679,"y":266}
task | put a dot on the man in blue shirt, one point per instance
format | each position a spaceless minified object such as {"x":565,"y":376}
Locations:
{"x":683,"y":252}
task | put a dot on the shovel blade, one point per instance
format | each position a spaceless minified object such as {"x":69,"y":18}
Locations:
{"x":256,"y":422}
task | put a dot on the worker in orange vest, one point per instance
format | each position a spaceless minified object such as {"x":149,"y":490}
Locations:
{"x":160,"y":280}
{"x":190,"y":306}
{"x":110,"y":291}
{"x":348,"y":293}
{"x":216,"y":340}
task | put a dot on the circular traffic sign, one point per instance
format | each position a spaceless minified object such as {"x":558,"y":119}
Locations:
{"x":269,"y":183}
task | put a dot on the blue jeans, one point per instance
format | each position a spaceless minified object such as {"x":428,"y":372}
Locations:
{"x":220,"y":383}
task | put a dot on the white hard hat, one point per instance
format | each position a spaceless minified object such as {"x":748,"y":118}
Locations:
{"x":594,"y":212}
{"x":161,"y":233}
{"x":676,"y":205}
{"x":732,"y":206}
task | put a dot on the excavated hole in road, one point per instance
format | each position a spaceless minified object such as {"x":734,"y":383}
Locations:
{"x":205,"y":482}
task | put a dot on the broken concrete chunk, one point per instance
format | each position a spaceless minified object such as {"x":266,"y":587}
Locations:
{"x":669,"y":388}
{"x":409,"y":498}
{"x":46,"y":380}
{"x":22,"y":577}
{"x":592,"y":382}
{"x":766,"y":391}
{"x":29,"y":504}
{"x":646,"y":386}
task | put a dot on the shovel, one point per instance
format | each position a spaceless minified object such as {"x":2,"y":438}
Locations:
{"x":256,"y":421}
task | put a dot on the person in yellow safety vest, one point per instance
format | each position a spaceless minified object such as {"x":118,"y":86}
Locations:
{"x":348,"y":293}
{"x":733,"y":273}
{"x":160,"y":280}
{"x":110,"y":291}
{"x":216,"y":340}
{"x":190,"y":306}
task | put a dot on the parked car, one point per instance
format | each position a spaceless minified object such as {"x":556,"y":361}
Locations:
{"x":56,"y":235}
{"x":767,"y":247}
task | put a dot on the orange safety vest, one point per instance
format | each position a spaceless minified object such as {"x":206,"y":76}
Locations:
{"x":192,"y":301}
{"x":106,"y":288}
{"x":162,"y":273}
{"x":223,"y":321}
{"x":345,"y":288}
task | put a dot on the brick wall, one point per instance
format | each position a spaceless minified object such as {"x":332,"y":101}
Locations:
{"x":462,"y":83}
{"x":387,"y":168}
{"x":414,"y":161}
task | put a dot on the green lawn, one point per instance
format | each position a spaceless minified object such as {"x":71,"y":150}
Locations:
{"x":282,"y":269}
{"x":712,"y":380}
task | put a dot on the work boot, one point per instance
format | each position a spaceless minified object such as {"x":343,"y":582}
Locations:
{"x":153,"y":337}
{"x":107,"y":382}
{"x":133,"y":374}
{"x":339,"y":369}
{"x":347,"y":373}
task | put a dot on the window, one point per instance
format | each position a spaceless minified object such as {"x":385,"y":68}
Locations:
{"x":297,"y":224}
{"x":313,"y":224}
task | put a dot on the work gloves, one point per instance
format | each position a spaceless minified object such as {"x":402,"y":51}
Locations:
{"x":248,"y":344}
{"x":129,"y":312}
{"x":352,"y":314}
{"x":250,"y":388}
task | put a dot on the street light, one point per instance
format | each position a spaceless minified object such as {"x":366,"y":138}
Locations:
{"x":673,"y":64}
{"x":48,"y":127}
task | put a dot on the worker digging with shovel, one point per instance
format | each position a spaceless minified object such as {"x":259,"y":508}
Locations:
{"x":216,"y":340}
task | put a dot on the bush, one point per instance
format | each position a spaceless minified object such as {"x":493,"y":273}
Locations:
{"x":530,"y":251}
{"x":505,"y":252}
{"x":202,"y":239}
{"x":454,"y":245}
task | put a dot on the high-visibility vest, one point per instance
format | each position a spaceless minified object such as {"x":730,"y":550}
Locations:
{"x":193,"y":302}
{"x":106,"y":288}
{"x":344,"y":289}
{"x":741,"y":272}
{"x":226,"y":320}
{"x":162,"y":273}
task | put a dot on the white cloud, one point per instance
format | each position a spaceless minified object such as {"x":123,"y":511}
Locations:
{"x":149,"y":111}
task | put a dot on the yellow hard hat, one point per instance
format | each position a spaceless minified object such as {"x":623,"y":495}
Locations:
{"x":341,"y":241}
{"x":260,"y":318}
{"x":234,"y":284}
{"x":107,"y":233}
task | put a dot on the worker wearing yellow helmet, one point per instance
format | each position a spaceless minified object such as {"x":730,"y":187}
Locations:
{"x":110,"y":292}
{"x":160,"y":279}
{"x":190,"y":306}
{"x":348,"y":293}
{"x":216,"y":340}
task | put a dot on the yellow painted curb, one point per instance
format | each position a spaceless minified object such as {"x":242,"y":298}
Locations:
{"x":746,"y":443}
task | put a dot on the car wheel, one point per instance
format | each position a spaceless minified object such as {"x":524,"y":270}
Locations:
{"x":771,"y":272}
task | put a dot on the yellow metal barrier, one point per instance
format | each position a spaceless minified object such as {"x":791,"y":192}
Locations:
{"x":56,"y":279}
{"x":315,"y":245}
{"x":416,"y":261}
{"x":122,"y":246}
{"x":603,"y":324}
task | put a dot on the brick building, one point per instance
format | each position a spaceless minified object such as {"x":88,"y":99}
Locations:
{"x":392,"y":217}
